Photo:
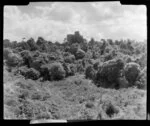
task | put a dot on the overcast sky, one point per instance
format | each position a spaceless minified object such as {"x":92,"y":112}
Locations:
{"x":54,"y":20}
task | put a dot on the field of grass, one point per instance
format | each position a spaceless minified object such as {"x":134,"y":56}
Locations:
{"x":73,"y":98}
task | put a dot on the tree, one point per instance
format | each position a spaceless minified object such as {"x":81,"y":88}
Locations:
{"x":75,"y":38}
{"x":40,"y":41}
{"x":32,"y":44}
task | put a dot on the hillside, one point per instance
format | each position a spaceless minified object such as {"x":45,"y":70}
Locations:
{"x":75,"y":80}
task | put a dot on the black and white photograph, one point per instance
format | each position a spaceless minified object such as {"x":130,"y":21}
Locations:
{"x":75,"y":61}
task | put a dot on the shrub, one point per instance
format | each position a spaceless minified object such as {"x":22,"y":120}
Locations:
{"x":110,"y":109}
{"x":108,"y":49}
{"x":27,"y":57}
{"x":45,"y":72}
{"x":29,"y":73}
{"x":57,"y":71}
{"x":69,"y":59}
{"x":70,"y":69}
{"x":51,"y":57}
{"x":33,"y":74}
{"x":74,"y":48}
{"x":13,"y":60}
{"x":110,"y":71}
{"x":66,"y":68}
{"x":141,"y":82}
{"x":84,"y":47}
{"x":6,"y":43}
{"x":36,"y":64}
{"x":79,"y":54}
{"x":89,"y":105}
{"x":23,"y":45}
{"x":122,"y":82}
{"x":65,"y":54}
{"x":38,"y":59}
{"x":131,"y":71}
{"x":53,"y":71}
{"x":79,"y":67}
{"x":6,"y":52}
{"x":36,"y":53}
{"x":108,"y":57}
{"x":142,"y":60}
{"x":90,"y":72}
{"x":128,"y":60}
{"x":88,"y":54}
{"x":96,"y":65}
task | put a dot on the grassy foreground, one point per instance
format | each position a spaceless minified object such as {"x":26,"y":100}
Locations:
{"x":73,"y":98}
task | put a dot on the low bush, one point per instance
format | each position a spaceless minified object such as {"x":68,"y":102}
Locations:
{"x":13,"y":60}
{"x":53,"y":71}
{"x":110,"y":109}
{"x":110,"y":71}
{"x":90,"y":73}
{"x":131,"y":72}
{"x":29,"y":73}
{"x":6,"y":52}
{"x":141,"y":82}
{"x":70,"y":69}
{"x":142,"y":60}
{"x":27,"y":57}
{"x":57,"y":71}
{"x":89,"y":105}
{"x":80,"y":54}
{"x":69,"y":59}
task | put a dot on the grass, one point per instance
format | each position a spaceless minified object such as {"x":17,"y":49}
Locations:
{"x":72,"y":98}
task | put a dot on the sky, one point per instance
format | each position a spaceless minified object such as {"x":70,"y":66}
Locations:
{"x":54,"y":20}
